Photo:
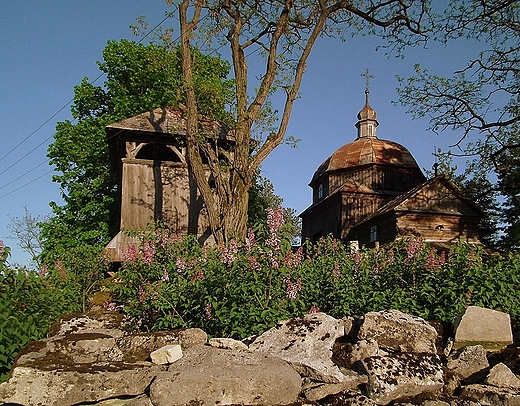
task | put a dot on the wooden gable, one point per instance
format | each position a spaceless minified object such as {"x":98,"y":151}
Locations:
{"x":438,"y":195}
{"x":436,"y":211}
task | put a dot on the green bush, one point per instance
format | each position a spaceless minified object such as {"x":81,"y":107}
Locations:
{"x":30,"y":301}
{"x":243,"y":289}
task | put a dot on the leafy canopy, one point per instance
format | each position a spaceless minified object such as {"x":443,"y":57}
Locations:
{"x":480,"y":101}
{"x":138,"y":78}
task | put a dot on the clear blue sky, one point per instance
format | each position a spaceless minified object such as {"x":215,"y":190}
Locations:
{"x":48,"y":47}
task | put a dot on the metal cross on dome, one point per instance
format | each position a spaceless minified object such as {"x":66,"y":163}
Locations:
{"x":367,"y":77}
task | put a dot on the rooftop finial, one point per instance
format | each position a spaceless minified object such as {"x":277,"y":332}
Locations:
{"x":367,"y":122}
{"x":367,"y":77}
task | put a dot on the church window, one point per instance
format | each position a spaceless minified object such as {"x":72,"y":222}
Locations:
{"x":373,"y":234}
{"x":320,"y":191}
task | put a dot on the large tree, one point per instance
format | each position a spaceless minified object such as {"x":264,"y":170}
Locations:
{"x":138,"y":78}
{"x":276,"y":37}
{"x":481,"y":102}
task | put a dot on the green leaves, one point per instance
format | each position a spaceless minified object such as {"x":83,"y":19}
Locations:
{"x":31,"y":302}
{"x":240,"y":290}
{"x":138,"y":78}
{"x":243,"y":289}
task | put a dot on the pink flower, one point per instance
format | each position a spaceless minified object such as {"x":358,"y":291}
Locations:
{"x":292,"y":260}
{"x":433,"y":263}
{"x":313,"y":309}
{"x":43,"y":271}
{"x":165,"y":237}
{"x":130,"y":253}
{"x":148,"y":252}
{"x":293,"y":288}
{"x":165,"y":276}
{"x":336,"y":272}
{"x":255,"y":266}
{"x":204,"y":258}
{"x":377,"y":268}
{"x":250,"y":240}
{"x":273,"y":242}
{"x":2,"y":248}
{"x":181,"y":264}
{"x":141,"y":294}
{"x":414,"y":246}
{"x":229,"y":253}
{"x":357,"y":257}
{"x":273,"y":260}
{"x":208,"y":309}
{"x":275,"y":220}
{"x":198,"y":275}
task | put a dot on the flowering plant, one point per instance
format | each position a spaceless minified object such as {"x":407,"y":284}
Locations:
{"x":243,"y":288}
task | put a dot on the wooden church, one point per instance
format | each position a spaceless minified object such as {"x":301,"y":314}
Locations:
{"x":149,"y":156}
{"x":372,"y":191}
{"x":369,"y":190}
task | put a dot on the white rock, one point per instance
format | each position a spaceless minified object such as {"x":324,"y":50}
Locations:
{"x":398,"y":331}
{"x":401,"y":376}
{"x":502,"y":377}
{"x":167,"y":354}
{"x":478,"y":325}
{"x":306,"y":344}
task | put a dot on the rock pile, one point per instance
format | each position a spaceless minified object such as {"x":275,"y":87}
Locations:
{"x":386,"y":357}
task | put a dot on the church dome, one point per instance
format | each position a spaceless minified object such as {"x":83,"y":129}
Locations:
{"x":366,"y":151}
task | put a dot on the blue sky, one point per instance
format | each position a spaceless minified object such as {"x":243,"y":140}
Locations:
{"x":48,"y":47}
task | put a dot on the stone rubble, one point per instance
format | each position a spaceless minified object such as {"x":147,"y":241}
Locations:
{"x":384,"y":358}
{"x":167,"y":354}
{"x":489,"y":328}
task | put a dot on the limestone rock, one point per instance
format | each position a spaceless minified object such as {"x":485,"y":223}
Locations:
{"x":398,"y":331}
{"x":85,"y":347}
{"x":141,"y":400}
{"x":403,"y":375}
{"x":68,"y":386}
{"x":103,"y":321}
{"x":306,"y":344}
{"x":350,"y":399}
{"x":228,"y":343}
{"x":470,"y":364}
{"x":167,"y":354}
{"x":491,"y":395}
{"x":320,"y":391}
{"x":347,"y":354}
{"x":502,"y":377}
{"x":207,"y":375}
{"x":71,"y":349}
{"x":478,"y":325}
{"x":138,"y":346}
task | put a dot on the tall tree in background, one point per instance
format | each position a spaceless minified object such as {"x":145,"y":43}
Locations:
{"x":283,"y":33}
{"x":138,"y":78}
{"x":482,"y":102}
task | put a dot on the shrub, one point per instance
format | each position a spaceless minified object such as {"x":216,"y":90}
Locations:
{"x":30,"y":302}
{"x":242,"y":289}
